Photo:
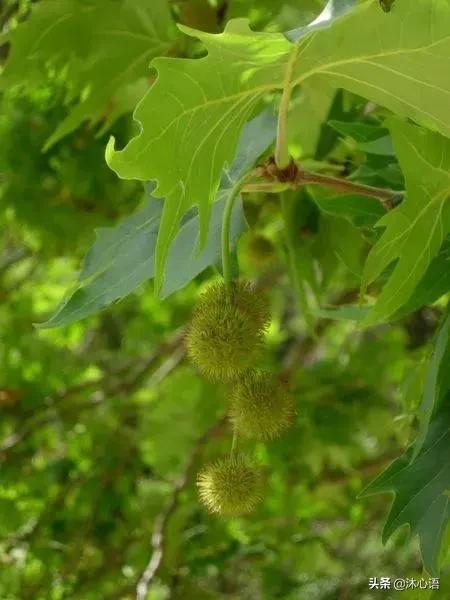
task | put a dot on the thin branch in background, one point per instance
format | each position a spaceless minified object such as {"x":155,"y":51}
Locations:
{"x":158,"y":540}
{"x":167,"y":367}
{"x":26,"y":278}
{"x":14,"y":257}
{"x":174,"y":348}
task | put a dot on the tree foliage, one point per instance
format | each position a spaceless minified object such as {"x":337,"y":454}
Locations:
{"x":223,"y":152}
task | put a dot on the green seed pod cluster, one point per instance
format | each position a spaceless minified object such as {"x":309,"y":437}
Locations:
{"x":231,"y":486}
{"x":260,"y":408}
{"x":224,"y":340}
{"x":226,"y":332}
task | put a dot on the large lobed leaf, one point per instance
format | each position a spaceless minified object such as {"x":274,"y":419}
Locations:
{"x":104,"y":47}
{"x":420,"y":479}
{"x":192,"y":116}
{"x":415,"y":230}
{"x":433,"y":285}
{"x":398,"y":60}
{"x":421,"y":492}
{"x":436,"y":382}
{"x":123,"y":257}
{"x":192,"y":119}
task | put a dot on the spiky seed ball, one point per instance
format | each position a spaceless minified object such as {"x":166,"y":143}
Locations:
{"x":231,"y":486}
{"x":260,"y":250}
{"x":261,"y":408}
{"x":225,"y":336}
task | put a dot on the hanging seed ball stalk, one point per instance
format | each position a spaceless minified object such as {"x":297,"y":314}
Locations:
{"x":261,"y":408}
{"x":231,"y":486}
{"x":225,"y":336}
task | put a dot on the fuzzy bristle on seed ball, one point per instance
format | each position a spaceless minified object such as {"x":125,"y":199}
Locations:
{"x":231,"y":486}
{"x":225,"y":336}
{"x":260,"y":408}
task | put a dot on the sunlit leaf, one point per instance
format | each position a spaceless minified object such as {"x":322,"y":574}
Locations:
{"x":191,"y":118}
{"x":122,"y":258}
{"x":416,"y":229}
{"x":103,"y":49}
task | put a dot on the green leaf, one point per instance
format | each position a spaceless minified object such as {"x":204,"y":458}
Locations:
{"x":184,"y":261}
{"x":258,"y":135}
{"x":339,"y":109}
{"x":395,"y":61}
{"x":436,"y":385}
{"x":122,"y":258}
{"x":306,"y":118}
{"x":119,"y":261}
{"x":191,"y":121}
{"x":416,"y":229}
{"x":343,"y":240}
{"x":332,"y":10}
{"x":421,"y":487}
{"x":361,"y":211}
{"x":371,"y":138}
{"x":372,"y":173}
{"x":361,"y":132}
{"x":434,"y":284}
{"x":191,"y":118}
{"x":103,"y":48}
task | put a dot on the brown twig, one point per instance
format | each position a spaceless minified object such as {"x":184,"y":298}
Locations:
{"x":388,"y":197}
{"x":294,"y":176}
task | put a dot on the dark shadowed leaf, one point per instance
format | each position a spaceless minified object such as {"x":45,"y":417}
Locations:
{"x":421,"y":487}
{"x":371,"y":138}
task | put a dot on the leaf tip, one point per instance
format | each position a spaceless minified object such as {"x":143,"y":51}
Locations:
{"x":110,"y":151}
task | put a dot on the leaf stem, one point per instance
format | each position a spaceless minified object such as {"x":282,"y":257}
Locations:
{"x":282,"y":156}
{"x":226,"y":220}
